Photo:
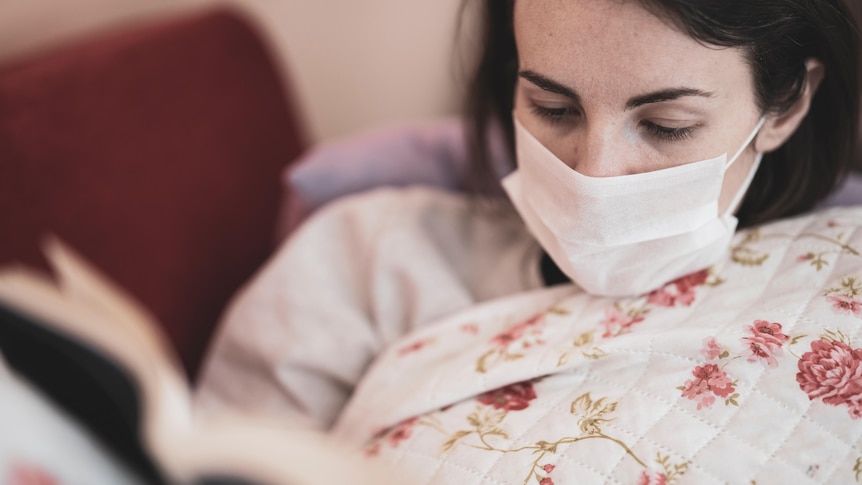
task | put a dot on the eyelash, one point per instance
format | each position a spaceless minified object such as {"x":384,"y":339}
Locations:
{"x":560,"y":115}
{"x":554,"y":115}
{"x":668,"y":134}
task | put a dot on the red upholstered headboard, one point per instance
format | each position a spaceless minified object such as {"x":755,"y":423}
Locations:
{"x":156,"y":153}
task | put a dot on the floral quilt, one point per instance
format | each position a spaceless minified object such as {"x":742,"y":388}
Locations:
{"x":748,"y":372}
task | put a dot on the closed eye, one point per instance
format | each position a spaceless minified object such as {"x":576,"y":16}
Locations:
{"x":555,"y":115}
{"x":665,"y":133}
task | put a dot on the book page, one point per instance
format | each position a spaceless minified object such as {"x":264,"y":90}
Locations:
{"x":86,"y":306}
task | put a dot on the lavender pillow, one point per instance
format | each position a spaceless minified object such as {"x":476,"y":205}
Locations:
{"x":431,"y":153}
{"x":850,"y":193}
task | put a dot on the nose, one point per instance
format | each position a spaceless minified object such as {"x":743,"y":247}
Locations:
{"x":600,"y":152}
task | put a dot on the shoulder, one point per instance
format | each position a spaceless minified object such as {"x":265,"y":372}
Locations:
{"x":422,"y":232}
{"x":354,"y":228}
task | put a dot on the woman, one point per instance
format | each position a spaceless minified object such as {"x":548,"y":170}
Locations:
{"x":644,"y":132}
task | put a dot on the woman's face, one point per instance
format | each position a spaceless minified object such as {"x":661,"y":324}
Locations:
{"x":611,"y":89}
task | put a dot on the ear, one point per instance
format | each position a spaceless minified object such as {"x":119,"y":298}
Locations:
{"x":780,"y":127}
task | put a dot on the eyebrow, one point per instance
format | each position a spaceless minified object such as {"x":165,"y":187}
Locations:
{"x":550,"y":85}
{"x":669,"y":94}
{"x":665,"y":95}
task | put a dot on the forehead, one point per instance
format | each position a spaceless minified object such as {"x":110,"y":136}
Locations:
{"x":594,"y":41}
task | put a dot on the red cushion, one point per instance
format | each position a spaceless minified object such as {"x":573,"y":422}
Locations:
{"x":156,"y":153}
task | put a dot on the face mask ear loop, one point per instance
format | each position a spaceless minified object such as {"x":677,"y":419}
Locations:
{"x":747,"y":142}
{"x":740,"y":193}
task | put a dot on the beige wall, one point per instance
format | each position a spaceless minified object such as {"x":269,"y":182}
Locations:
{"x":354,"y":63}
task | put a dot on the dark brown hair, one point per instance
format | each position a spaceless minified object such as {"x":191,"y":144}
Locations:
{"x":779,"y":36}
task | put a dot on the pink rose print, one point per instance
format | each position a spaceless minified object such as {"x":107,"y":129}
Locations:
{"x":546,"y":480}
{"x":804,"y":257}
{"x":680,"y":291}
{"x":709,"y":381}
{"x":402,"y":431}
{"x":23,"y":474}
{"x":698,"y":390}
{"x":662,"y":297}
{"x":845,"y":304}
{"x":651,"y":477}
{"x":832,"y":371}
{"x":513,"y":397}
{"x":414,"y":347}
{"x":764,"y":343}
{"x":373,"y":450}
{"x":692,"y":280}
{"x":617,"y":323}
{"x":711,"y":350}
{"x":394,"y":435}
{"x":507,"y":337}
{"x":470,"y":328}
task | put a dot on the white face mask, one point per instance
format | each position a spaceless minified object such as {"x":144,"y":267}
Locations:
{"x":625,"y":235}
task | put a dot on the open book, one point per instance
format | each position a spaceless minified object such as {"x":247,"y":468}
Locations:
{"x":99,"y":355}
